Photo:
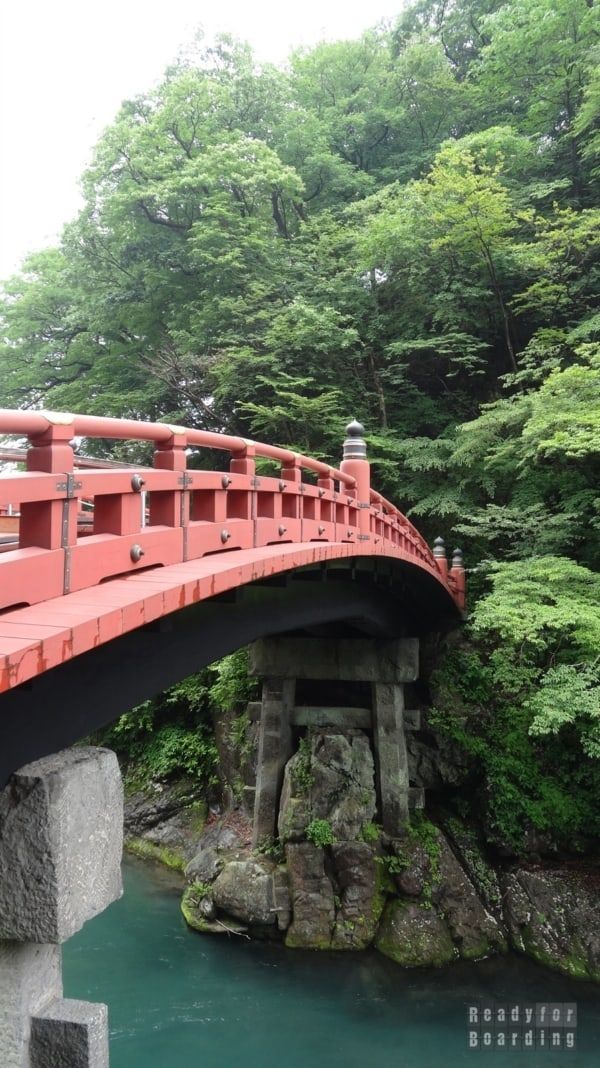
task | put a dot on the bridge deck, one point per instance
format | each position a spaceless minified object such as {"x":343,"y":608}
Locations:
{"x":36,"y":638}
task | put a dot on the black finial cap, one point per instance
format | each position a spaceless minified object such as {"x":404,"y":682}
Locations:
{"x":457,"y":558}
{"x":355,"y":446}
{"x":439,"y":548}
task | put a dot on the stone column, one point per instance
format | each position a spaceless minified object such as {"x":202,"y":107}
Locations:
{"x":274,"y":751}
{"x":387,"y":664}
{"x":61,"y":838}
{"x":391,"y":761}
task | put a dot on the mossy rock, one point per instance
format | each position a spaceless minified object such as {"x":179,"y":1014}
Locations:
{"x":414,"y":936}
{"x":140,"y":847}
{"x":192,"y":916}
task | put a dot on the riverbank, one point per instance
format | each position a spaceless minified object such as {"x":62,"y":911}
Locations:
{"x":176,"y":999}
{"x":434,"y":898}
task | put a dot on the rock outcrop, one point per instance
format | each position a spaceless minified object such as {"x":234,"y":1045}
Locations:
{"x":414,"y":935}
{"x":553,"y":916}
{"x":333,"y":880}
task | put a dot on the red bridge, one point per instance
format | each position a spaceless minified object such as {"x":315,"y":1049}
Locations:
{"x":175,"y":566}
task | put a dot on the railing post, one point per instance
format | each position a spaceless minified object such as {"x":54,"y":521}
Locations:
{"x":457,"y":572}
{"x":439,"y":554}
{"x":51,"y":524}
{"x":242,"y":463}
{"x":355,"y":463}
{"x":170,"y":508}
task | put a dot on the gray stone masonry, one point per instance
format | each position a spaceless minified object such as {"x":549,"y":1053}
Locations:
{"x":70,"y":1034}
{"x":61,"y":840}
{"x":387,"y":665}
{"x":274,"y":750}
{"x":391,"y":760}
{"x":345,"y":659}
{"x":61,"y":835}
{"x":30,"y":977}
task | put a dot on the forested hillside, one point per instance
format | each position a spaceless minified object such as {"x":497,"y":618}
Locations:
{"x":401,"y":228}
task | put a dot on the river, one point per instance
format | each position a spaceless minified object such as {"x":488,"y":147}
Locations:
{"x":180,"y":1000}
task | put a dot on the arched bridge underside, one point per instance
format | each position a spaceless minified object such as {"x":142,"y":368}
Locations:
{"x":180,"y":566}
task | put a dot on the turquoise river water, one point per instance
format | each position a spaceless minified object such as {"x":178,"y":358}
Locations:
{"x":182,"y":1000}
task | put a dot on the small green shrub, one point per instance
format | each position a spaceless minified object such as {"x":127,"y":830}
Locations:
{"x":319,"y":832}
{"x":270,"y":846}
{"x":302,"y":774}
{"x":370,"y":832}
{"x":233,"y":685}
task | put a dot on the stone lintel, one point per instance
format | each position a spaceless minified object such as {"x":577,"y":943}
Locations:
{"x":343,"y":659}
{"x":311,"y":715}
{"x":61,"y":842}
{"x":70,"y":1034}
{"x":342,"y":718}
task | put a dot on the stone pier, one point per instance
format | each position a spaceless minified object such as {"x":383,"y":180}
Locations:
{"x":385,"y":665}
{"x":61,"y":838}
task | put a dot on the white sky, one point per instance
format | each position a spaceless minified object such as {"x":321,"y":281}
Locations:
{"x":66,"y":65}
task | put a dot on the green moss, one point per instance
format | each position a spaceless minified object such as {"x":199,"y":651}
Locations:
{"x":293,"y":942}
{"x":149,"y":851}
{"x":420,"y":944}
{"x":575,"y":964}
{"x":370,"y":832}
{"x":189,"y":906}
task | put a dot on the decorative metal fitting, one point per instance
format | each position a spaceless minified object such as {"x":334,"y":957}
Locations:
{"x":321,"y":492}
{"x":225,"y":481}
{"x":350,"y":533}
{"x":321,"y":530}
{"x":136,"y":552}
{"x":137,"y":482}
{"x":439,"y":548}
{"x":355,"y":446}
{"x":225,"y":536}
{"x":457,"y":559}
{"x":282,"y":531}
{"x":282,"y":485}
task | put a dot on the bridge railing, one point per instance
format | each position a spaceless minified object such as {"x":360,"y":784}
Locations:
{"x":168,"y":513}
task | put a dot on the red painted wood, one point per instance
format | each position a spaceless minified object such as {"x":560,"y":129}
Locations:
{"x":201,"y":532}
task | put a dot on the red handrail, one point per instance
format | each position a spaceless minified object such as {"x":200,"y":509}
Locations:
{"x":191,"y":513}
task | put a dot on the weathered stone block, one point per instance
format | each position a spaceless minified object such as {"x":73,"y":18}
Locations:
{"x":342,"y":718}
{"x":30,"y":976}
{"x":392,"y":761}
{"x":345,"y":659}
{"x":414,"y":936}
{"x":274,"y":749}
{"x":70,"y":1034}
{"x":61,"y":840}
{"x":355,"y":874}
{"x":244,"y":889}
{"x":312,"y":898}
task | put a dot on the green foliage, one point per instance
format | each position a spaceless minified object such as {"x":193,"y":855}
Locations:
{"x":319,"y":832}
{"x":233,"y":686}
{"x":520,"y":781}
{"x":201,"y":889}
{"x":405,"y":227}
{"x":302,"y":773}
{"x":271,"y":847}
{"x":370,"y":832}
{"x":167,"y":737}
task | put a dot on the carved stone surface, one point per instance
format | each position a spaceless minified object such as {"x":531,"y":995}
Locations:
{"x":70,"y":1034}
{"x":30,"y":976}
{"x":61,"y":840}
